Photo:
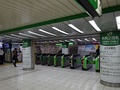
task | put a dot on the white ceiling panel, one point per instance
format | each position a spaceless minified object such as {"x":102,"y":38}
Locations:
{"x":112,"y":2}
{"x":107,"y":22}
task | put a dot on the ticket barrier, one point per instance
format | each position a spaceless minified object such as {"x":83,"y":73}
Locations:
{"x":96,"y":61}
{"x":87,"y":62}
{"x":65,"y":60}
{"x":45,"y":59}
{"x":38,"y":59}
{"x":57,"y":60}
{"x":75,"y":61}
{"x":51,"y":59}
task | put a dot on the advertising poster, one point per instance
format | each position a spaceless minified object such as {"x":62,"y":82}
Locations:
{"x":90,"y":48}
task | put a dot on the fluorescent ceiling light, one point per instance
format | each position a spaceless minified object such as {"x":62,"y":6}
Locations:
{"x":55,"y":41}
{"x":75,"y":28}
{"x":94,"y":39}
{"x":36,"y":34}
{"x":60,"y":30}
{"x":18,"y":36}
{"x":72,"y":40}
{"x":86,"y":39}
{"x":92,"y":22}
{"x":10,"y":37}
{"x":79,"y":40}
{"x":47,"y":32}
{"x":27,"y":35}
{"x":61,"y":41}
{"x":66,"y":40}
{"x":118,"y":22}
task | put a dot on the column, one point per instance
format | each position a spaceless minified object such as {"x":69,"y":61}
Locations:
{"x":110,"y":58}
{"x":28,"y":55}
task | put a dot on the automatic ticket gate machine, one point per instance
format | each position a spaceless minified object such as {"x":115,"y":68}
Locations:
{"x":57,"y":59}
{"x":51,"y":59}
{"x":87,"y":62}
{"x":65,"y":60}
{"x":45,"y":59}
{"x":75,"y":61}
{"x":38,"y":58}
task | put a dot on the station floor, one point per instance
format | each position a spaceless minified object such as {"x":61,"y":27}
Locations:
{"x":49,"y":78}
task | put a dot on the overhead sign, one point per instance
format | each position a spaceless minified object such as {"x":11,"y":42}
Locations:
{"x":92,"y":7}
{"x":96,"y":4}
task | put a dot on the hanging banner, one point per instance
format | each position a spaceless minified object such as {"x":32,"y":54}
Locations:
{"x":110,"y":57}
{"x":27,"y":59}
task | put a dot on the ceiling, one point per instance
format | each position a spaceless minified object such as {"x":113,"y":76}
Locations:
{"x":26,"y":14}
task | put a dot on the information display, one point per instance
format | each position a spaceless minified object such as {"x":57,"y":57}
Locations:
{"x":27,"y":56}
{"x":110,"y":57}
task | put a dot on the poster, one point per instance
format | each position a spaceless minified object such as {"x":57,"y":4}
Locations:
{"x":90,"y":48}
{"x":110,"y":57}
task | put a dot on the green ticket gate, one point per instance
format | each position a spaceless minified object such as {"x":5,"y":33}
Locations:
{"x":38,"y":59}
{"x":57,"y":60}
{"x":87,"y":63}
{"x":75,"y":61}
{"x":65,"y":60}
{"x":45,"y":59}
{"x":51,"y":59}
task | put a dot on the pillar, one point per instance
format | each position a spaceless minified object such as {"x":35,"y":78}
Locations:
{"x":28,"y":54}
{"x":110,"y":58}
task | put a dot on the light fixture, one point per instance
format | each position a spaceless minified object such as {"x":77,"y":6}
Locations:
{"x":60,"y":30}
{"x":118,"y":22}
{"x":10,"y":37}
{"x":75,"y":28}
{"x":55,"y":41}
{"x":86,"y":39}
{"x":79,"y":40}
{"x":61,"y":41}
{"x":92,"y":22}
{"x":66,"y":41}
{"x":36,"y":34}
{"x":94,"y":39}
{"x":47,"y":32}
{"x":50,"y":41}
{"x":18,"y":36}
{"x":27,"y":35}
{"x":72,"y":40}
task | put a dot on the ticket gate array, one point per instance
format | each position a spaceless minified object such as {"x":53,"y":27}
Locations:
{"x":71,"y":60}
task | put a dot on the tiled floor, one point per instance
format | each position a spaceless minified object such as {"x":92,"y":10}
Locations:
{"x":49,"y":78}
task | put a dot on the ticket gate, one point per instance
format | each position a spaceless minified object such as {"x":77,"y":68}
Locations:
{"x":87,"y":62}
{"x":45,"y":58}
{"x":38,"y":59}
{"x":65,"y":60}
{"x":57,"y":60}
{"x":95,"y":61}
{"x":75,"y":61}
{"x":51,"y":59}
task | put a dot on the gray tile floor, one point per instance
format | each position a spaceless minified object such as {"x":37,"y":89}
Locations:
{"x":49,"y":78}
